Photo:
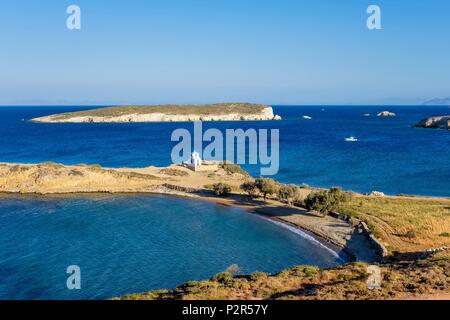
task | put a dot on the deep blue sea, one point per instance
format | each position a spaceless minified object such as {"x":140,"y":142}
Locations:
{"x":126,"y":244}
{"x":391,"y":156}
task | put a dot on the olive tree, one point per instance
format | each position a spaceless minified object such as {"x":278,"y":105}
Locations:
{"x":288,"y":193}
{"x":325,"y":201}
{"x":266,"y":186}
{"x":221,"y":189}
{"x":250,"y":188}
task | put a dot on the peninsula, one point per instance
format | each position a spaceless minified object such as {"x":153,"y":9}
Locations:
{"x":406,"y":236}
{"x":166,"y":113}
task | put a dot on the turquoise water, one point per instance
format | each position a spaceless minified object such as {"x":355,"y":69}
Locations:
{"x":129,"y":244}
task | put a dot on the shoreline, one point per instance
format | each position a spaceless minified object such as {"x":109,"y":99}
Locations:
{"x":320,"y":238}
{"x":341,"y":251}
{"x":308,"y":235}
{"x":345,"y":235}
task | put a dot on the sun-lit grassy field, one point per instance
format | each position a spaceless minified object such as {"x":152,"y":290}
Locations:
{"x":404,"y":224}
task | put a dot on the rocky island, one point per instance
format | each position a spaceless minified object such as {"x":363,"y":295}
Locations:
{"x":166,"y":113}
{"x":386,"y":114}
{"x":442,"y":122}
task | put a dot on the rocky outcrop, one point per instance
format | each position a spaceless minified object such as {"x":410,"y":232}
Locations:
{"x":386,"y":114}
{"x":277,"y":118}
{"x":377,"y":194}
{"x":442,"y":122}
{"x":217,"y":112}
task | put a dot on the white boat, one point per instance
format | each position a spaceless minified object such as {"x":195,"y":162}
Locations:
{"x":307,"y":117}
{"x":367,"y":115}
{"x":351,"y":139}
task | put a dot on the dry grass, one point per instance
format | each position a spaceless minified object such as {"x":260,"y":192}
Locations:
{"x":400,"y":280}
{"x":231,"y":169}
{"x":392,"y":218}
{"x":173,"y":172}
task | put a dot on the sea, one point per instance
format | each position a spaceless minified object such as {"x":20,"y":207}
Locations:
{"x":135,"y":243}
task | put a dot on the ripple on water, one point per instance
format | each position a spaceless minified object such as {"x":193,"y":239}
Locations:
{"x":126,"y":244}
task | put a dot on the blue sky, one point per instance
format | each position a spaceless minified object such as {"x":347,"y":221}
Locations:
{"x":194,"y":51}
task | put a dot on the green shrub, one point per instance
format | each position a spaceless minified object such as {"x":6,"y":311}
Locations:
{"x":305,"y":270}
{"x":445,"y":234}
{"x":325,"y":201}
{"x":311,"y":270}
{"x":288,"y":193}
{"x":266,"y":186}
{"x":221,"y":189}
{"x":223,"y":277}
{"x":250,"y":188}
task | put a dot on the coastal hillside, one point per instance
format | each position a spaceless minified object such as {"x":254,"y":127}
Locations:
{"x":427,"y":278}
{"x":55,"y":178}
{"x":415,"y":231}
{"x":167,"y":113}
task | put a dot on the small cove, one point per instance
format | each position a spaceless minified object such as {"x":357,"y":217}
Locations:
{"x":134,"y":243}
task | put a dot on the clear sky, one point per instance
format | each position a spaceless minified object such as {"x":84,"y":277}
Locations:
{"x":193,"y":51}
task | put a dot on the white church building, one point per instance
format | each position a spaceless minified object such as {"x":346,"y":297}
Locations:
{"x":195,"y":162}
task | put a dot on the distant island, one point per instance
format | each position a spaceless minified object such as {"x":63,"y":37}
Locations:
{"x":437,"y":102}
{"x":166,"y":113}
{"x":442,"y":122}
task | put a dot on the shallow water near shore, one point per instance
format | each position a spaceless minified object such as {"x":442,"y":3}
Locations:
{"x":134,"y":243}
